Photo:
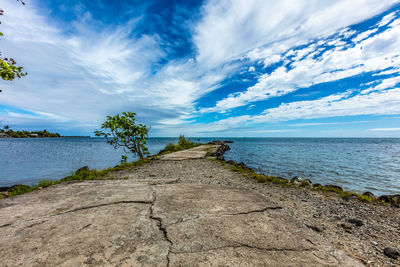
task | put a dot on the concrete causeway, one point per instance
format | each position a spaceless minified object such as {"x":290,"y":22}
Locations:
{"x":143,"y":222}
{"x":198,"y":152}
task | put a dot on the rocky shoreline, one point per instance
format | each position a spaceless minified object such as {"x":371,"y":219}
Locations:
{"x":393,"y":200}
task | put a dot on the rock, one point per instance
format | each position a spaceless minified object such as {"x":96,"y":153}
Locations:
{"x":396,"y":198}
{"x":346,"y":227}
{"x":368,"y":194}
{"x":391,"y":253}
{"x":83,"y":169}
{"x":243,"y":166}
{"x":4,"y":189}
{"x":295,"y":180}
{"x":390,"y":198}
{"x":305,"y":182}
{"x":300,"y":181}
{"x":316,"y":185}
{"x":219,"y":153}
{"x":356,"y":222}
{"x":334,"y":188}
{"x":314,"y":227}
{"x":385,"y":198}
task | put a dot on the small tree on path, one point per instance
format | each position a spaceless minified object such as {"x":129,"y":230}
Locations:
{"x":123,"y":132}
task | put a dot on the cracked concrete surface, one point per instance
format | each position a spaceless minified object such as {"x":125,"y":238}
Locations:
{"x":126,"y":223}
{"x":198,"y":152}
{"x":163,"y":222}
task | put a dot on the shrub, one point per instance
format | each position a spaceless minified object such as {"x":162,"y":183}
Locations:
{"x":182,"y":144}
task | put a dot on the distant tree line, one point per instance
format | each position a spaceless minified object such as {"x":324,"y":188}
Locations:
{"x":7,"y":132}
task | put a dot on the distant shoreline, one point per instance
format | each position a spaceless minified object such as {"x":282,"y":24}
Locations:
{"x":37,"y":137}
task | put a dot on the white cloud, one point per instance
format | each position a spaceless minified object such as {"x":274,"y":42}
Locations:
{"x":338,"y":105}
{"x":321,"y":123}
{"x":382,"y":103}
{"x":387,"y":19}
{"x":384,"y":130}
{"x":377,"y":53}
{"x":230,"y":28}
{"x":364,"y":35}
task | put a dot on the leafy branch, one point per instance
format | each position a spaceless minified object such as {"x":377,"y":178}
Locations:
{"x":9,"y":70}
{"x":123,"y":132}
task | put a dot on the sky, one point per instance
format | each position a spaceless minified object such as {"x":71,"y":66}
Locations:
{"x":238,"y":68}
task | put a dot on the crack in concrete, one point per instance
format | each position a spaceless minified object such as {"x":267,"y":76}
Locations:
{"x":106,"y":204}
{"x":245,"y":246}
{"x":199,"y":216}
{"x":161,"y":227}
{"x":5,"y":225}
{"x":34,"y":224}
{"x":254,"y":211}
{"x":176,"y":181}
{"x":86,"y":226}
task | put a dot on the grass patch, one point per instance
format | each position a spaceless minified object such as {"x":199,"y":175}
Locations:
{"x":87,"y":175}
{"x":365,"y":198}
{"x":344,"y":194}
{"x":249,"y":173}
{"x":19,"y":189}
{"x":46,"y":183}
{"x":182,"y":144}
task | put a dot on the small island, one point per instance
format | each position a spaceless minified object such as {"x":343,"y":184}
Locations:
{"x":7,"y":132}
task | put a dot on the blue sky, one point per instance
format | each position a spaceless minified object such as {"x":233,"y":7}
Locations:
{"x":206,"y":68}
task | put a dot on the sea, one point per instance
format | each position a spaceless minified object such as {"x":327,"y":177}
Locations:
{"x":356,"y":164}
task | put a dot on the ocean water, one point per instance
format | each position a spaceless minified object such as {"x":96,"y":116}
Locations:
{"x":357,"y":164}
{"x":28,"y":160}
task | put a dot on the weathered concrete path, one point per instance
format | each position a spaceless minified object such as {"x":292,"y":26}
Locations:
{"x":156,"y":223}
{"x":198,"y":152}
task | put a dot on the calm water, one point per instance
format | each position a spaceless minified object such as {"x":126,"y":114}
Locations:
{"x":358,"y":164}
